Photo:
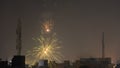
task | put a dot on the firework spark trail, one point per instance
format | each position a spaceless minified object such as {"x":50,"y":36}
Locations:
{"x":48,"y":47}
{"x":48,"y":26}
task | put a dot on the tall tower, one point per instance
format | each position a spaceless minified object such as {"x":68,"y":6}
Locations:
{"x":18,"y":40}
{"x":103,"y":46}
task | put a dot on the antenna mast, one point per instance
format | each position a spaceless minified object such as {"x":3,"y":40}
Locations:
{"x":103,"y":46}
{"x":18,"y":40}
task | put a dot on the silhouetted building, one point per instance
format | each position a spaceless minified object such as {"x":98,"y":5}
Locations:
{"x":18,"y":62}
{"x":117,"y":66}
{"x":52,"y":64}
{"x":60,"y":65}
{"x":41,"y":64}
{"x":67,"y":64}
{"x":96,"y":62}
{"x":76,"y":64}
{"x":4,"y":64}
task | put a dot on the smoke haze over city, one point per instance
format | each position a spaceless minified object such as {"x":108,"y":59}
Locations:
{"x":78,"y":24}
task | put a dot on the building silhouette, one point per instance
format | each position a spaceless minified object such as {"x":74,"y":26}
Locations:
{"x":4,"y":64}
{"x":93,"y":63}
{"x":41,"y":64}
{"x":87,"y":63}
{"x":117,"y":66}
{"x":18,"y":61}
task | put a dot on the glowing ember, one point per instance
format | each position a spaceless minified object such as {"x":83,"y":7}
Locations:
{"x":48,"y":30}
{"x":47,"y":26}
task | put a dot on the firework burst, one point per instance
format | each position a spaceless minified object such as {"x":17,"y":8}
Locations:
{"x":48,"y":47}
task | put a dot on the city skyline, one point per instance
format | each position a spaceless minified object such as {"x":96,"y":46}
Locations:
{"x":78,"y":24}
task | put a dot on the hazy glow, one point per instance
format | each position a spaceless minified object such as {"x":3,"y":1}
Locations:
{"x":47,"y":25}
{"x":114,"y":66}
{"x":48,"y":47}
{"x":48,"y":30}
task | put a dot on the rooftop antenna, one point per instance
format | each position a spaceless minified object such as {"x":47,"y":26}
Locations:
{"x":18,"y":40}
{"x":103,"y":46}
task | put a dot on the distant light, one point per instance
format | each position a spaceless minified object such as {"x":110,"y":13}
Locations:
{"x":47,"y":30}
{"x":10,"y":61}
{"x":114,"y":66}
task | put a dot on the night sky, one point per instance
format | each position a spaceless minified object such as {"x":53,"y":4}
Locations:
{"x":79,"y":25}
